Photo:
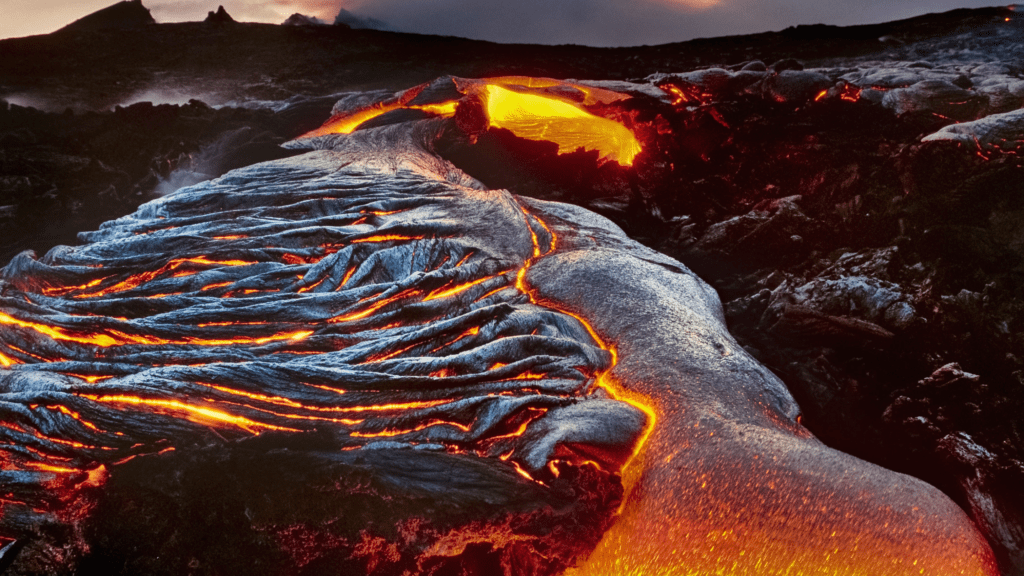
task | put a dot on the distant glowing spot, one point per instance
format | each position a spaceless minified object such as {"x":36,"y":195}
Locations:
{"x":545,"y":118}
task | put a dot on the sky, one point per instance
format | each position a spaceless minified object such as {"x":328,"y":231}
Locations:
{"x":591,"y":22}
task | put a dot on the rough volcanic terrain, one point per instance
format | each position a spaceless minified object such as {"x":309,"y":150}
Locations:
{"x":854,"y":196}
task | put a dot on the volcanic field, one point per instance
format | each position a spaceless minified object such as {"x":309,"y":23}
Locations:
{"x":304,"y":299}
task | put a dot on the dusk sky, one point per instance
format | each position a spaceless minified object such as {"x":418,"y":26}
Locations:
{"x":592,"y":22}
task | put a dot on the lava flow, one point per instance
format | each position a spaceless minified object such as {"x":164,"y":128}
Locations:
{"x":431,"y":377}
{"x":524,"y":106}
{"x":397,"y":328}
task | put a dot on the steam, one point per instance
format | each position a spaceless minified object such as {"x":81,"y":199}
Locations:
{"x":203,"y":165}
{"x":30,"y":100}
{"x":233,"y":149}
{"x":164,"y":95}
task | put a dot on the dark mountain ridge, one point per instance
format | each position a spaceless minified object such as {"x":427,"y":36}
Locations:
{"x":95,"y":68}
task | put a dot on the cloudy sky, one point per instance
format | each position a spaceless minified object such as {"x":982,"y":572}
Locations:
{"x":593,"y":22}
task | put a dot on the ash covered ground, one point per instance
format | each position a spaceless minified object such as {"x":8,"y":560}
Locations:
{"x":853,"y":194}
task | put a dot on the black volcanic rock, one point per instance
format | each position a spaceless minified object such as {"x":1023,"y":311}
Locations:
{"x":221,"y":16}
{"x":127,"y":14}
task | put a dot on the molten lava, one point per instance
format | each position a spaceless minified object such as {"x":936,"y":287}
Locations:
{"x":525,"y":107}
{"x":547,"y":119}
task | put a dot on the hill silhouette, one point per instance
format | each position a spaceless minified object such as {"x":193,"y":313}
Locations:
{"x":127,"y":14}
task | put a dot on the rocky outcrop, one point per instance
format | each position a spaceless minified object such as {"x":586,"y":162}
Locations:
{"x":220,"y":17}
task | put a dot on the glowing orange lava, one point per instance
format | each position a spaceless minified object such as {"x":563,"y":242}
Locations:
{"x":347,"y":122}
{"x":697,"y":499}
{"x":605,"y":380}
{"x":375,"y":307}
{"x":700,"y":502}
{"x":7,"y":362}
{"x":386,"y":238}
{"x":198,"y":414}
{"x":591,"y":96}
{"x":400,"y":432}
{"x":65,"y":410}
{"x":137,"y":280}
{"x":446,"y":292}
{"x":118,"y":338}
{"x":520,"y":105}
{"x":548,"y":119}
